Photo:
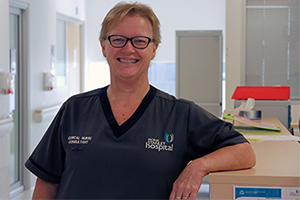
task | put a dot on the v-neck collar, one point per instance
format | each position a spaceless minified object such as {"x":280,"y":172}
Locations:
{"x":120,"y":130}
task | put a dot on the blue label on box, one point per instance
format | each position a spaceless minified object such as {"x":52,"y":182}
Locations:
{"x":274,"y":193}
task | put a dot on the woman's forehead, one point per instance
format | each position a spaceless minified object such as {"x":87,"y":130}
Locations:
{"x":134,"y":25}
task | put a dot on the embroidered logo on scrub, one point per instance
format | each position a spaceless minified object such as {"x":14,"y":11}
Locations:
{"x":169,"y":137}
{"x":79,"y":139}
{"x":156,"y":144}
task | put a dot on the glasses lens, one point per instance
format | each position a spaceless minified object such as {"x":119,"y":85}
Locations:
{"x":140,"y":42}
{"x":117,"y":41}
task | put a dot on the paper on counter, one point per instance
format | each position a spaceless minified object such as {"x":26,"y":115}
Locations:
{"x":272,"y":137}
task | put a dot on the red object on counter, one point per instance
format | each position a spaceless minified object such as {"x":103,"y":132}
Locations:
{"x":262,"y":93}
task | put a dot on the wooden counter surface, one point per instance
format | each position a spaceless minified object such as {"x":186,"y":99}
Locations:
{"x":277,"y":164}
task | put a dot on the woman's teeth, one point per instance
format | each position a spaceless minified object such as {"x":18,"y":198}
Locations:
{"x":128,"y":61}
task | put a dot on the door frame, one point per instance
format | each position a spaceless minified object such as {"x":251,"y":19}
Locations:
{"x":19,"y":8}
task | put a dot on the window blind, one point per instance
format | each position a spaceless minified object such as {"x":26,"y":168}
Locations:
{"x":272,"y":44}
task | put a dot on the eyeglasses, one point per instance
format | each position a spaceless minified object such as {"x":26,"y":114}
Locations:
{"x":119,"y":41}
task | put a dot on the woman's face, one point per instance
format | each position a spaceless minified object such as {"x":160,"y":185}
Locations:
{"x":129,"y":63}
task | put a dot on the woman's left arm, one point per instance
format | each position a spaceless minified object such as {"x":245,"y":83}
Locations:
{"x":239,"y":156}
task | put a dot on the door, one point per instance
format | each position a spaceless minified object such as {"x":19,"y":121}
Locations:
{"x":15,"y":103}
{"x":74,"y":55}
{"x":199,"y":68}
{"x":69,"y":48}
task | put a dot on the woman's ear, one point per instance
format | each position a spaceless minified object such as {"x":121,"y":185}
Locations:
{"x":154,"y":51}
{"x":102,"y":43}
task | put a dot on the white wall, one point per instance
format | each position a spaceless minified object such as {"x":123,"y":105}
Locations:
{"x":173,"y":15}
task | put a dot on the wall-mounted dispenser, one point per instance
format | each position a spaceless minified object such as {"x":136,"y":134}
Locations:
{"x":6,"y":83}
{"x":49,"y":81}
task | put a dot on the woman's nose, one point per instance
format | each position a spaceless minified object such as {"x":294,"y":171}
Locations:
{"x":129,"y":48}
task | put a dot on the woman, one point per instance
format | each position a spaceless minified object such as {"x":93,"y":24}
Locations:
{"x":129,"y":140}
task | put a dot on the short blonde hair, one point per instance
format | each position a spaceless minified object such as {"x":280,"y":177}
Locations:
{"x":122,"y":9}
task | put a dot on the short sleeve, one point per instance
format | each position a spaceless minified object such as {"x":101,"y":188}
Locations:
{"x":47,"y":160}
{"x":208,"y":133}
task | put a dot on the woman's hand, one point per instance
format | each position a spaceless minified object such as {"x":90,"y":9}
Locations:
{"x":189,"y":181}
{"x":239,"y":156}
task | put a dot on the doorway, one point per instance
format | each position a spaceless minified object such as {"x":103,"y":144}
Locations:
{"x":69,"y":71}
{"x":15,"y":101}
{"x":74,"y":57}
{"x":199,"y":68}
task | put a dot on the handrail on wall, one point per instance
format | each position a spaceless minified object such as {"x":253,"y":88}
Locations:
{"x":41,"y":114}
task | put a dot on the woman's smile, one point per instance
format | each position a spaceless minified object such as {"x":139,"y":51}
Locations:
{"x":124,"y":60}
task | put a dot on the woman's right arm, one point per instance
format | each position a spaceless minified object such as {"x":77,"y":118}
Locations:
{"x":44,"y":190}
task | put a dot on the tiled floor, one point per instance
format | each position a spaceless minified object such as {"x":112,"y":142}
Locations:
{"x":202,"y":195}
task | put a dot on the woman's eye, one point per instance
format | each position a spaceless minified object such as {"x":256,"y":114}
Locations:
{"x":140,"y":41}
{"x":118,"y":40}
